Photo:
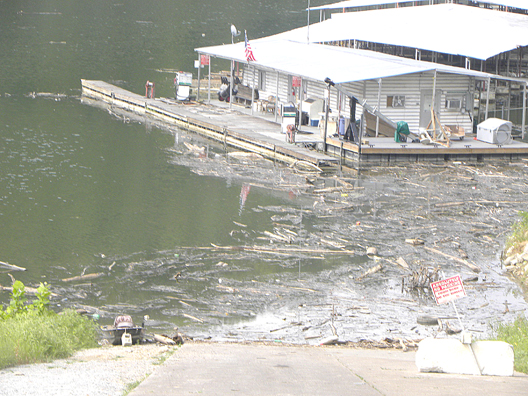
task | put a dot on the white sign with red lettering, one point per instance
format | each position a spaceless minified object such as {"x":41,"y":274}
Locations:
{"x":449,"y":289}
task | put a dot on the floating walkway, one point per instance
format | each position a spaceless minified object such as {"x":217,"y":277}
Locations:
{"x":228,"y":126}
{"x":261,"y":134}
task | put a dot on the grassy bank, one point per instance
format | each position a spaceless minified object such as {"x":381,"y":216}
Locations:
{"x":516,"y":262}
{"x":515,"y":257}
{"x":31,"y":333}
{"x":516,"y":334}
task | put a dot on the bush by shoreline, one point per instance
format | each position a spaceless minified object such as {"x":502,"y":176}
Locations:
{"x":31,"y":333}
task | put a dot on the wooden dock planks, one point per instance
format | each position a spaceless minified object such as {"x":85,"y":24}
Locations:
{"x":234,"y":128}
{"x":256,"y":134}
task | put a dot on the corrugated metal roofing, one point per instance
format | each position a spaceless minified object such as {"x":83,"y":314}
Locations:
{"x":521,"y":4}
{"x":447,"y":28}
{"x":358,"y":3}
{"x":317,"y":61}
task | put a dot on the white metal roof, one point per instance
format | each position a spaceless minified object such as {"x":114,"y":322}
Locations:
{"x":521,"y":4}
{"x":358,"y":3}
{"x":447,"y":28}
{"x":317,"y":61}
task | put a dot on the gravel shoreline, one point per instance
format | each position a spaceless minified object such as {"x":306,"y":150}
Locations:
{"x":105,"y":371}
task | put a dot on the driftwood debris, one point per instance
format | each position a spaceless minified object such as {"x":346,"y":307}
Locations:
{"x":194,"y":147}
{"x":372,"y":251}
{"x":423,"y":277}
{"x":471,"y":266}
{"x":164,"y":340}
{"x":11,"y":267}
{"x":193,"y":318}
{"x":371,"y":271}
{"x":402,"y":263}
{"x":333,"y":244}
{"x":278,"y":250}
{"x":242,"y":155}
{"x":27,"y":289}
{"x":427,"y":320}
{"x":305,"y":167}
{"x":414,"y":241}
{"x":83,"y":277}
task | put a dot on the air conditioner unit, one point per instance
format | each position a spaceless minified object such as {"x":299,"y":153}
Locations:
{"x":453,"y":104}
{"x":494,"y":130}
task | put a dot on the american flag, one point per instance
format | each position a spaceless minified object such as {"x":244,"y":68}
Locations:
{"x":249,"y":51}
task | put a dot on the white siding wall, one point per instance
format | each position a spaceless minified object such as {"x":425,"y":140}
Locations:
{"x":411,"y":86}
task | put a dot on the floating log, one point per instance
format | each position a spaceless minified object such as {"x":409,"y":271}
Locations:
{"x":83,"y":277}
{"x":164,"y":340}
{"x":278,"y":250}
{"x":427,"y":320}
{"x":400,"y":262}
{"x":11,"y":266}
{"x":372,"y":251}
{"x":333,"y":244}
{"x":471,"y":266}
{"x":27,"y":289}
{"x":414,"y":241}
{"x":276,"y":237}
{"x":193,"y":318}
{"x":245,"y":155}
{"x":371,"y":271}
{"x":305,"y":166}
{"x":194,"y":147}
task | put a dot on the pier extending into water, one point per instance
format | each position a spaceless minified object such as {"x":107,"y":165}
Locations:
{"x":228,"y":126}
{"x":239,"y":127}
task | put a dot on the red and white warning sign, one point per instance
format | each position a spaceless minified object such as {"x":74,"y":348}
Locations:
{"x":449,"y":289}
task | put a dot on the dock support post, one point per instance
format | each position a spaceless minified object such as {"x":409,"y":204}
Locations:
{"x":231,"y":81}
{"x":277,"y":96}
{"x":487,"y":98}
{"x":209,"y":82}
{"x":524,"y":111}
{"x":379,"y":105}
{"x":326,"y":117}
{"x":199,"y":67}
{"x":253,"y":89}
{"x":301,"y":96}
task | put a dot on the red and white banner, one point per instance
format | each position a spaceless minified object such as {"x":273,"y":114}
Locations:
{"x":449,"y":289}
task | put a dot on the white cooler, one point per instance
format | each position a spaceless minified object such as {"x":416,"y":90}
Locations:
{"x":494,"y":130}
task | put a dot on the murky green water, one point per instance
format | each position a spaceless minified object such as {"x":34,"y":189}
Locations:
{"x":78,"y":185}
{"x":85,"y":191}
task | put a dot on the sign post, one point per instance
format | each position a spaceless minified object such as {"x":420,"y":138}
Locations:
{"x":449,"y":290}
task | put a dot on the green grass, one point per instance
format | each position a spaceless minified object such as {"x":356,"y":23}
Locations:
{"x":43,"y":338}
{"x":516,"y":334}
{"x":133,"y":385}
{"x":519,"y":235}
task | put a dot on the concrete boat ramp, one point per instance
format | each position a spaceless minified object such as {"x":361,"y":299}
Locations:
{"x":232,"y":127}
{"x":260,"y":132}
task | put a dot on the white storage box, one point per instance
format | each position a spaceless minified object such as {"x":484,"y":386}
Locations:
{"x":313,"y":107}
{"x":494,"y":130}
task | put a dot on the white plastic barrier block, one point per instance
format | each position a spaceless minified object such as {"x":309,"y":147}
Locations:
{"x":451,"y":356}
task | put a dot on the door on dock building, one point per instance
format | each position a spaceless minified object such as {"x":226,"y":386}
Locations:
{"x":426,"y":100}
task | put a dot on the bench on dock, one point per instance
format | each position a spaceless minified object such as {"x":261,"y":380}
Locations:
{"x":244,"y":95}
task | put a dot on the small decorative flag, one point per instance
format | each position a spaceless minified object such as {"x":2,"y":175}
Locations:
{"x":249,"y":51}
